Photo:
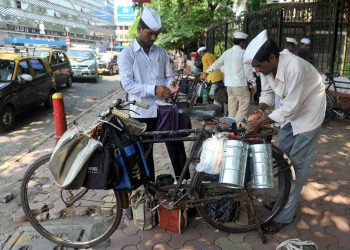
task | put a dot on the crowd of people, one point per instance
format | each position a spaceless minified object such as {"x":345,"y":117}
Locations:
{"x":147,"y":75}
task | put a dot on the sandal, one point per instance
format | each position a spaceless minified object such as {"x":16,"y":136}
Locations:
{"x":273,"y":227}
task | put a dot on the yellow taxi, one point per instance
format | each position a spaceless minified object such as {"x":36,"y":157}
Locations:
{"x":25,"y":81}
{"x":107,"y":63}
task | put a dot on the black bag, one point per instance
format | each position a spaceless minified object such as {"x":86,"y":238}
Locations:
{"x":102,"y":167}
{"x":221,"y":94}
{"x":185,"y":85}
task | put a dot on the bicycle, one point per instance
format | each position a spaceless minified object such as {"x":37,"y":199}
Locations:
{"x":83,"y":218}
{"x":333,"y":100}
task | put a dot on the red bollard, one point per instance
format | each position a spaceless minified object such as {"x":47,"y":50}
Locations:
{"x":59,"y":115}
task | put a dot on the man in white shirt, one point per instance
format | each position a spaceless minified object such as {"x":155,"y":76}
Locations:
{"x":235,"y":77}
{"x":291,"y":44}
{"x":302,"y":110}
{"x":147,"y":75}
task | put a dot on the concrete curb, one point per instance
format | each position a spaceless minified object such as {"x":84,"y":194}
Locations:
{"x":17,"y":158}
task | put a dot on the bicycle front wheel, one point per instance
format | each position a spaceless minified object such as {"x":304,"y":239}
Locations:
{"x":230,"y":209}
{"x":72,"y":218}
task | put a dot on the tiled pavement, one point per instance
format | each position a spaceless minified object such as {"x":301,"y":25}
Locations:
{"x":323,"y":217}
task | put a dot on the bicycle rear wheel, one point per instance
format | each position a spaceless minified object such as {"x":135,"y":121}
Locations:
{"x":87,"y":220}
{"x":331,"y":103}
{"x":228,"y":209}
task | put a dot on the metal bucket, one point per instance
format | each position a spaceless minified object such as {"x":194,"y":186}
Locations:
{"x":235,"y":163}
{"x":260,"y":157}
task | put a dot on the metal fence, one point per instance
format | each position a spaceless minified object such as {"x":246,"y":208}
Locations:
{"x":325,"y":22}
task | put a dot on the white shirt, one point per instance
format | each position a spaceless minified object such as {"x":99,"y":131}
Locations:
{"x":302,"y":92}
{"x":286,"y":51}
{"x":236,"y":73}
{"x":141,"y":72}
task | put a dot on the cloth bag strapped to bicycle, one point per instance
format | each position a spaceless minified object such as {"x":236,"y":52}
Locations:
{"x":169,"y":118}
{"x":221,"y":94}
{"x":141,"y":203}
{"x":102,"y":168}
{"x":132,"y":164}
{"x":67,"y":162}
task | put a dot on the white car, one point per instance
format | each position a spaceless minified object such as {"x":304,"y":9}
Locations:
{"x":84,"y":63}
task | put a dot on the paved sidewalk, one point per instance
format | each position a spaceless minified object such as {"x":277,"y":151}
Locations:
{"x":323,"y":217}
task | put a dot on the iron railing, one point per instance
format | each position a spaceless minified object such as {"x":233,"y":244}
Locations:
{"x":325,"y":22}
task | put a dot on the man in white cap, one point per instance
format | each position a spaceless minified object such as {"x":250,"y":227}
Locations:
{"x":305,"y":50}
{"x":291,"y":44}
{"x":303,"y":104}
{"x":147,"y":75}
{"x":236,"y":76}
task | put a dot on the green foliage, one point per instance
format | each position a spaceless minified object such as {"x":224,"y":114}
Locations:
{"x":184,"y":21}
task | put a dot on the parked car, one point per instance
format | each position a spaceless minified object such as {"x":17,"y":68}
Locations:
{"x":59,"y":63}
{"x":84,"y":63}
{"x":107,"y":63}
{"x":25,"y":81}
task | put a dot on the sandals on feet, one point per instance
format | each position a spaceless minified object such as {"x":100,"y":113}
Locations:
{"x":273,"y":227}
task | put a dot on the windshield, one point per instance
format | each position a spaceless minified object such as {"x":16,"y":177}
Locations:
{"x":106,"y":58}
{"x":6,"y":70}
{"x":42,"y":54}
{"x":80,"y":53}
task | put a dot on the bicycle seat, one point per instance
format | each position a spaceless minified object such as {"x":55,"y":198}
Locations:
{"x":332,"y":75}
{"x":208,"y":111}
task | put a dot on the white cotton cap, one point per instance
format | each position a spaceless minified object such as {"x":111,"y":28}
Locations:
{"x":201,"y":49}
{"x":291,"y":40}
{"x":305,"y":41}
{"x":151,"y":18}
{"x":240,"y":35}
{"x":254,"y":46}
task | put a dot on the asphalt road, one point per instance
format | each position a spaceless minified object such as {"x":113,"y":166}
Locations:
{"x":34,"y":125}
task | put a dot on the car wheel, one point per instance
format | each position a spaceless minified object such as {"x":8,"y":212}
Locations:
{"x":69,"y":82}
{"x":48,"y":102}
{"x":7,"y":119}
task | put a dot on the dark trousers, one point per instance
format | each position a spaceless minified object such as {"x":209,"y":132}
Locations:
{"x":176,"y":151}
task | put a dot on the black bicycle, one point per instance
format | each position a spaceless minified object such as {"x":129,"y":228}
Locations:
{"x":82,"y":218}
{"x":333,"y":98}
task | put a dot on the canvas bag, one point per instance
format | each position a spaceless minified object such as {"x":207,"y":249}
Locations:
{"x":141,"y":204}
{"x":70,"y":155}
{"x":174,"y":220}
{"x":212,"y":155}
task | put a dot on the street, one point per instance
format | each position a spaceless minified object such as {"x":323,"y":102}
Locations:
{"x":35,"y":125}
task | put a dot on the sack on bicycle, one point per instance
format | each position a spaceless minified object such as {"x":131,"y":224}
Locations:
{"x":141,"y":203}
{"x":102,"y":167}
{"x":67,"y":162}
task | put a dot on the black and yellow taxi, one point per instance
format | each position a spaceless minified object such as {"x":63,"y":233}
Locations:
{"x":107,"y":63}
{"x":59,"y":63}
{"x":25,"y":81}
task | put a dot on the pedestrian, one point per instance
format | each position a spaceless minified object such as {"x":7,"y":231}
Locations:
{"x":305,"y":50}
{"x":291,"y":45}
{"x":213,"y":78}
{"x":146,"y":75}
{"x":302,"y":110}
{"x":236,"y":76}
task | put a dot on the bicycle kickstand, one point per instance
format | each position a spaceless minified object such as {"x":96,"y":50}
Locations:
{"x":256,"y":221}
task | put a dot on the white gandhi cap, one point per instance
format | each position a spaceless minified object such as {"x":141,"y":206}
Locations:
{"x":151,"y":18}
{"x":201,"y":49}
{"x":254,"y":46}
{"x":240,"y":35}
{"x":305,"y":41}
{"x":291,"y":40}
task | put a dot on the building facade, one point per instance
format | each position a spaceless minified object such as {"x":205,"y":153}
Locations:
{"x":57,"y":22}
